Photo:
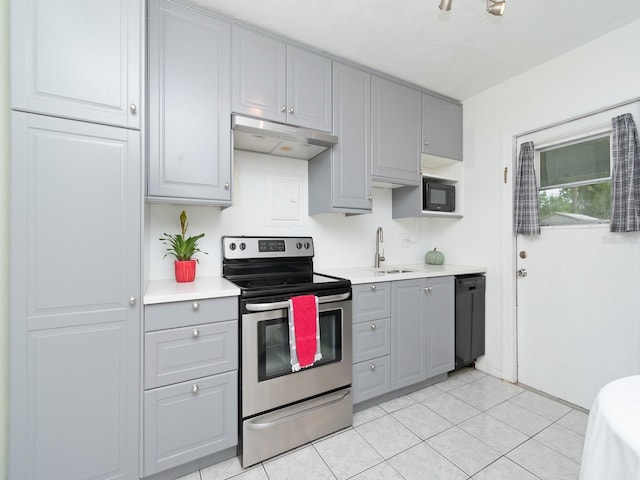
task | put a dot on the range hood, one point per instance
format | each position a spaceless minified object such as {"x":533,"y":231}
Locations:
{"x":273,"y":138}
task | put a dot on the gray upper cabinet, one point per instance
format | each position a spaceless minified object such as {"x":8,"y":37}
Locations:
{"x":395,"y":138}
{"x":340,"y":178}
{"x":189,"y":106}
{"x":78,"y":59}
{"x":280,"y":82}
{"x":441,"y":127}
{"x":76,"y":206}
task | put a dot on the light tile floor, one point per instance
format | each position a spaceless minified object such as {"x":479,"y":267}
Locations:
{"x":470,"y":427}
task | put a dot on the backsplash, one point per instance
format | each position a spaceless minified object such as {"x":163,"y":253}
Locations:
{"x":270,"y":197}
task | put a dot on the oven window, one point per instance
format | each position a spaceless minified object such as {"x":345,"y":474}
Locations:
{"x":274,"y":359}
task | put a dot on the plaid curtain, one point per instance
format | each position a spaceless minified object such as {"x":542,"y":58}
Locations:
{"x":625,"y":177}
{"x":526,"y":211}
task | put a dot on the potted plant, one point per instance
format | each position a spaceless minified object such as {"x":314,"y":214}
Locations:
{"x":183,"y":248}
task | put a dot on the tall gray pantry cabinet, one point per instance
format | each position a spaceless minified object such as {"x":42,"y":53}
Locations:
{"x":76,"y":201}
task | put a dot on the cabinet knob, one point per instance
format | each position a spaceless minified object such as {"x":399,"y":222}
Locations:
{"x":428,"y":289}
{"x":195,"y":388}
{"x":132,"y":300}
{"x":373,"y":287}
{"x":195,"y":305}
{"x":370,"y":197}
{"x":133,"y":108}
{"x":373,"y":326}
{"x":283,"y":108}
{"x":226,"y":186}
{"x":196,"y":332}
{"x":426,"y":142}
{"x":372,"y":367}
{"x":290,"y":109}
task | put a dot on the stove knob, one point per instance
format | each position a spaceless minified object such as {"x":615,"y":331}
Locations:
{"x":307,"y":245}
{"x":243,"y":246}
{"x":232,"y":246}
{"x":298,"y":245}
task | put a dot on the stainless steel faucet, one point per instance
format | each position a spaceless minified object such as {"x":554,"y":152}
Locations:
{"x":379,"y":239}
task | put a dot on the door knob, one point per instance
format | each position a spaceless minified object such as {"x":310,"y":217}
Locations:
{"x":522,"y":272}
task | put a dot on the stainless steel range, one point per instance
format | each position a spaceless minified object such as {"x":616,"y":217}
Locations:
{"x":282,"y":409}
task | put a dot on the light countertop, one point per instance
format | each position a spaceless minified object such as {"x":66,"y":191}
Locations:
{"x":168,"y":290}
{"x":359,"y":275}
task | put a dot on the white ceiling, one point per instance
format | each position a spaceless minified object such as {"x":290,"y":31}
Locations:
{"x":457,"y":53}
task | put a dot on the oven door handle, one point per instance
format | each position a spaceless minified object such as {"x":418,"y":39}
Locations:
{"x":263,"y":307}
{"x":276,"y":418}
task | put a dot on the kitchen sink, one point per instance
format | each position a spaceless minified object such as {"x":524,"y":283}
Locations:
{"x":395,"y":270}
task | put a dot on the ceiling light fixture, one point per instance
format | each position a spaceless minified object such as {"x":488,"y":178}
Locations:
{"x":445,"y":5}
{"x":496,"y":7}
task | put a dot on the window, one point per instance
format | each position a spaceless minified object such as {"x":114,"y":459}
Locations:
{"x":575,"y":182}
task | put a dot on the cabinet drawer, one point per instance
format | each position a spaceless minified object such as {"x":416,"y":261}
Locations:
{"x":371,"y":301}
{"x":189,"y":420}
{"x":371,"y":339}
{"x":371,"y":378}
{"x":180,"y":354}
{"x":183,"y":314}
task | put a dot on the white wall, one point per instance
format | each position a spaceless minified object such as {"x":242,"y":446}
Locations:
{"x":4,"y":233}
{"x":599,"y":74}
{"x":339,"y":240}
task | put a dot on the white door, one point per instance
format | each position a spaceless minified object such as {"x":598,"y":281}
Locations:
{"x":578,"y":307}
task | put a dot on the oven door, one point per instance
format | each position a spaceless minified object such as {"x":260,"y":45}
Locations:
{"x":267,"y":379}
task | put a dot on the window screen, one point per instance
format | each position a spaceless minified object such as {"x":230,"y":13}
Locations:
{"x":575,"y":183}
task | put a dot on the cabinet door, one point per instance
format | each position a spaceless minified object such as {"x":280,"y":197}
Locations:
{"x":189,"y":107}
{"x":440,"y":325}
{"x":308,"y":89}
{"x":395,"y":132}
{"x":78,"y":59}
{"x":352,"y":124}
{"x":75,"y":284}
{"x":409,"y":333}
{"x":441,"y":128}
{"x":189,"y":420}
{"x":259,"y":75}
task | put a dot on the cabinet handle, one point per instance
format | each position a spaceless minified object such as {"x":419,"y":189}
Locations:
{"x":290,"y":109}
{"x":196,"y":332}
{"x":195,"y":388}
{"x":132,"y":300}
{"x":226,"y":186}
{"x":195,"y":305}
{"x":372,"y":367}
{"x":370,"y":197}
{"x":373,"y":287}
{"x":133,"y":108}
{"x":373,"y":326}
{"x":283,"y":108}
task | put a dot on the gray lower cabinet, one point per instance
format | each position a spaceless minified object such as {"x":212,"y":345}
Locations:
{"x":189,"y":106}
{"x":190,"y":407}
{"x":441,"y":127}
{"x":340,"y":178}
{"x":76,"y":205}
{"x":280,"y":82}
{"x":371,"y":340}
{"x":423,"y":323}
{"x":78,"y":59}
{"x":395,"y":132}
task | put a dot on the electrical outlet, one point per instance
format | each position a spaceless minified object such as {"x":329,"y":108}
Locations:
{"x":405,"y":240}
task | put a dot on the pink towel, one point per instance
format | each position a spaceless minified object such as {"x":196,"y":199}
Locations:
{"x":304,"y":331}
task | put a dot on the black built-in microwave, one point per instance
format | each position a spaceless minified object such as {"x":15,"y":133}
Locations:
{"x":438,"y":197}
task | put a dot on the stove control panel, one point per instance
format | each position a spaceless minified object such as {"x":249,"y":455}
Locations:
{"x":266,"y":247}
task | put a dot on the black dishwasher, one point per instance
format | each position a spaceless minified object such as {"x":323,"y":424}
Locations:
{"x":470,"y":305}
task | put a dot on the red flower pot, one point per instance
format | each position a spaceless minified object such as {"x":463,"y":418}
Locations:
{"x":185,"y":270}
